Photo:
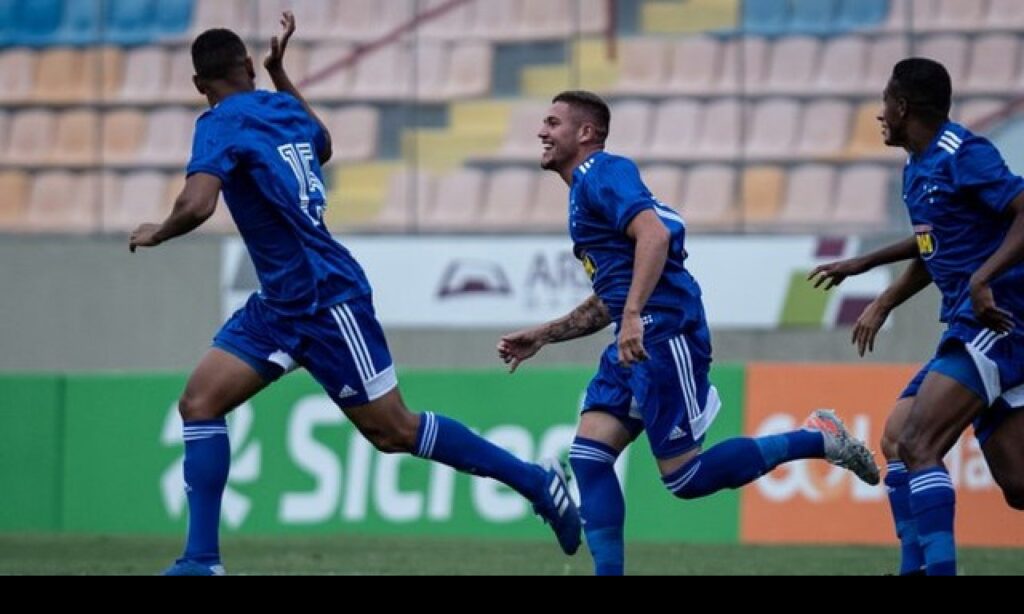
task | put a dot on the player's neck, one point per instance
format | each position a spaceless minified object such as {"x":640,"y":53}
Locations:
{"x":921,"y":135}
{"x":582,"y":156}
{"x":216,"y":93}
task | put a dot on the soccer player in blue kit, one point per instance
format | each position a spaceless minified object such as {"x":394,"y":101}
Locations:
{"x":965,"y":208}
{"x":654,"y":376}
{"x":264,"y":150}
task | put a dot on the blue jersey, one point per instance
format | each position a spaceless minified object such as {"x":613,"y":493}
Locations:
{"x":606,"y":194}
{"x":265,"y":148}
{"x":957,"y":193}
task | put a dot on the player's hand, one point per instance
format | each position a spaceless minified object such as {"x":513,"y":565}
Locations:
{"x":516,"y":348}
{"x":867,"y":327}
{"x":275,"y":59}
{"x":986,"y":310}
{"x":631,"y":340}
{"x":835,"y":273}
{"x":144,"y":236}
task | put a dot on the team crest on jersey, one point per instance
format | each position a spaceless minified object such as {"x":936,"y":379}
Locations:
{"x":927,"y":245}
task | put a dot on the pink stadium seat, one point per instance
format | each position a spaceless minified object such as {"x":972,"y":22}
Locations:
{"x":643,"y":66}
{"x":431,"y":59}
{"x":409,"y":192}
{"x":825,"y":128}
{"x":809,"y":196}
{"x":63,"y":202}
{"x":66,"y":75}
{"x":709,"y":197}
{"x":451,"y":25}
{"x":975,"y":110}
{"x":77,"y":140}
{"x":1004,"y":14}
{"x":632,"y":128}
{"x":179,"y":88}
{"x":720,"y":130}
{"x":17,"y":75}
{"x":551,"y":204}
{"x":677,"y":125}
{"x":772,"y":130}
{"x":993,"y":65}
{"x":133,"y":199}
{"x":862,"y":197}
{"x":498,"y":21}
{"x":354,"y":131}
{"x":521,"y":142}
{"x":355,"y":20}
{"x":336,"y":85}
{"x":843,"y":62}
{"x":794,"y":63}
{"x":949,"y":49}
{"x":508,"y":198}
{"x":235,"y":14}
{"x":883,"y":54}
{"x":960,"y":15}
{"x":31,"y":138}
{"x":168,"y":139}
{"x":695,"y":66}
{"x":456,"y":201}
{"x":385,"y":74}
{"x":469,"y":71}
{"x":665,"y":181}
{"x":122,"y":133}
{"x":547,"y":19}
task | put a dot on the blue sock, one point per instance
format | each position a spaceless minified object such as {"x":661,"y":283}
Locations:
{"x":447,"y":441}
{"x":207,"y":461}
{"x":741,"y":460}
{"x":933,"y":501}
{"x":602,"y":506}
{"x":897,"y":482}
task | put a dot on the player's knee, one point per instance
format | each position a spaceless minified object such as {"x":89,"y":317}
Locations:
{"x":890,"y":447}
{"x":195,"y":407}
{"x":393,"y":436}
{"x":912,"y":451}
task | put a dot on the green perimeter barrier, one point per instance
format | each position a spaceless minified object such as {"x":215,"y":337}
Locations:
{"x":103,"y":454}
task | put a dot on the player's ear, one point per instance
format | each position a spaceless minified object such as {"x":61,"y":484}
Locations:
{"x":586,"y":133}
{"x":200,"y":84}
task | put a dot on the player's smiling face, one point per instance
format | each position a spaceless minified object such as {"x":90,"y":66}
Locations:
{"x":558,"y":137}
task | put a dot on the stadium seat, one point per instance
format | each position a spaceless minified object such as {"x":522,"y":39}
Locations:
{"x":8,"y":22}
{"x":37,"y":22}
{"x":334,"y":86}
{"x":77,"y":141}
{"x":63,"y":202}
{"x":14,"y":191}
{"x":694,"y":66}
{"x":111,"y":67}
{"x":709,"y":197}
{"x":631,"y":136}
{"x":866,"y":136}
{"x":959,"y":15}
{"x":409,"y":191}
{"x":5,"y":130}
{"x":168,"y":139}
{"x":469,"y":71}
{"x":862,"y":196}
{"x":550,"y":210}
{"x":883,"y":54}
{"x":794,"y":63}
{"x":949,"y":49}
{"x":80,"y":24}
{"x":520,"y":141}
{"x":179,"y":87}
{"x":677,"y":125}
{"x":455,"y":201}
{"x":65,"y":75}
{"x":129,"y":22}
{"x":772,"y":129}
{"x":17,"y":75}
{"x":755,"y":55}
{"x":123,"y":132}
{"x":843,"y":61}
{"x":643,"y":66}
{"x":355,"y":20}
{"x":508,"y":198}
{"x":450,"y":25}
{"x":134,"y":198}
{"x":976,"y":110}
{"x":816,"y":17}
{"x":172,"y":18}
{"x":1004,"y":14}
{"x":809,"y":196}
{"x":824,"y":128}
{"x":765,"y":17}
{"x":498,"y":21}
{"x":861,"y":14}
{"x":542,"y":19}
{"x":145,"y":74}
{"x":590,"y":16}
{"x":384,"y":74}
{"x":354,"y":132}
{"x":761,"y":195}
{"x":31,"y":137}
{"x":665,"y":181}
{"x":721,"y":130}
{"x":389,"y":16}
{"x":993,"y":65}
{"x":234,"y":14}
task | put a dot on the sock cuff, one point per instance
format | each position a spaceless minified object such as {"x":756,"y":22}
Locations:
{"x":426,"y":436}
{"x":594,"y":451}
{"x":204,"y":429}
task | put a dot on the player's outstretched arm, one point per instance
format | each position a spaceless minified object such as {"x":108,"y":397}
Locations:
{"x":913,"y":279}
{"x":274,"y":63}
{"x":195,"y":205}
{"x":1009,"y":254}
{"x":591,"y":316}
{"x":835,"y":273}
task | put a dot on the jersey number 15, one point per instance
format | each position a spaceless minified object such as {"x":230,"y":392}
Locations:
{"x":299,"y":157}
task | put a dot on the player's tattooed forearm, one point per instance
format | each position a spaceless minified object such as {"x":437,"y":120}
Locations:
{"x":591,"y":316}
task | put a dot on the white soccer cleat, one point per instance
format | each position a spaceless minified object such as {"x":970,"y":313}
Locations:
{"x":841,"y":449}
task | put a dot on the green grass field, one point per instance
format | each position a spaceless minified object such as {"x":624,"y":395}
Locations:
{"x":74,"y":555}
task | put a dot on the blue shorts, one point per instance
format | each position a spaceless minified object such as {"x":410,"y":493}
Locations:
{"x":669,"y":395}
{"x":342,"y":346}
{"x":988,"y":364}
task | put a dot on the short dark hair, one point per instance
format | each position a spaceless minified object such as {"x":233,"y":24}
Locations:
{"x":217,"y":52}
{"x":925,"y":85}
{"x":591,"y":105}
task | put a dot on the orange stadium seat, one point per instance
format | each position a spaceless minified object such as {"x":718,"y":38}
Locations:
{"x":761,"y":194}
{"x":17,"y":75}
{"x":77,"y":141}
{"x":122,"y":134}
{"x":14,"y":190}
{"x":31,"y":137}
{"x":63,"y":202}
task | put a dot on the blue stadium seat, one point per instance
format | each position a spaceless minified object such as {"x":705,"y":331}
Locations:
{"x":129,"y":22}
{"x":861,"y":14}
{"x":37,"y":21}
{"x":765,"y":17}
{"x":80,"y":23}
{"x":813,"y":16}
{"x":8,"y":21}
{"x":173,"y":17}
